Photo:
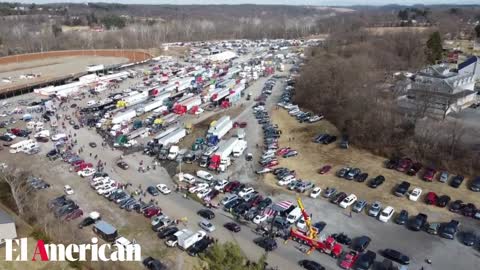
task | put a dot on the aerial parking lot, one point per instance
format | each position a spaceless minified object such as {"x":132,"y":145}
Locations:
{"x":176,"y":155}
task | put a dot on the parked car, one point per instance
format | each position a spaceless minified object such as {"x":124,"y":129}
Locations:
{"x":206,"y":225}
{"x":443,"y":176}
{"x":329,"y":192}
{"x":315,"y":192}
{"x":342,"y":238}
{"x":431,"y":198}
{"x":404,"y":164}
{"x":432,"y":228}
{"x":456,"y":181}
{"x":414,"y":169}
{"x":337,"y":198}
{"x":347,"y":201}
{"x":123,"y":165}
{"x":153,"y":264}
{"x":359,"y":206}
{"x":361,"y":177}
{"x":448,"y":230}
{"x":365,"y":261}
{"x":429,"y":174}
{"x":396,"y":256}
{"x":232,"y":226}
{"x":392,"y":163}
{"x":377,"y":181}
{"x":418,"y":222}
{"x":153,"y":191}
{"x":361,"y":243}
{"x":386,"y":214}
{"x":342,"y":173}
{"x":206,"y":213}
{"x":325,"y":169}
{"x":475,"y":184}
{"x":469,"y":238}
{"x":456,"y":206}
{"x":415,"y":194}
{"x":352,"y":173}
{"x":402,"y":189}
{"x":375,"y":209}
{"x":443,"y":200}
{"x":311,"y":265}
{"x":402,"y":217}
{"x":266,"y":243}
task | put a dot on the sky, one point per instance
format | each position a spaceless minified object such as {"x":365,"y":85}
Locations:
{"x":268,"y":2}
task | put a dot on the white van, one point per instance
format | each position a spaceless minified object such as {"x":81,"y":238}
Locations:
{"x":294,"y":215}
{"x":241,"y":133}
{"x":204,"y":175}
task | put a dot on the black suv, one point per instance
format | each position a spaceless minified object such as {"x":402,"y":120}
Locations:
{"x":448,"y":230}
{"x":365,"y":261}
{"x":418,"y":222}
{"x":402,"y":189}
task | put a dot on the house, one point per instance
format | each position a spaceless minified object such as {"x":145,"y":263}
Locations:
{"x":7,"y":227}
{"x":440,"y":90}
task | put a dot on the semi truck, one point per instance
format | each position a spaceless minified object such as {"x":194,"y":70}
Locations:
{"x":187,"y":105}
{"x":172,"y":154}
{"x":221,"y":127}
{"x":220,"y":160}
{"x":239,"y":148}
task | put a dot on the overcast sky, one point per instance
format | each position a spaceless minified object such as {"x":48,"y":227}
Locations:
{"x":269,"y":2}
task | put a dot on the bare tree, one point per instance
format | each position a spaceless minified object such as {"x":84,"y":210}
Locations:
{"x":17,"y":182}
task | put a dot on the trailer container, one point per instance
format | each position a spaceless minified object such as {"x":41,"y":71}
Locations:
{"x":173,"y":137}
{"x":239,"y":148}
{"x":124,"y":116}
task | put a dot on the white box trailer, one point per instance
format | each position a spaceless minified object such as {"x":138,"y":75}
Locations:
{"x":189,"y":240}
{"x":221,"y":94}
{"x":192,"y":102}
{"x":239,"y":148}
{"x":124,"y":116}
{"x":142,"y":132}
{"x":166,"y":132}
{"x":182,"y":237}
{"x":226,"y":148}
{"x":219,"y":123}
{"x":174,"y":137}
{"x":136,"y":98}
{"x":223,"y":129}
{"x":153,"y":105}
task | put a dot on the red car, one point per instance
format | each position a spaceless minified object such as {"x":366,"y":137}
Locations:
{"x":83,"y":166}
{"x":431,"y":198}
{"x":73,"y":215}
{"x":429,"y":174}
{"x":257,"y":200}
{"x":239,"y":124}
{"x":282,"y":151}
{"x":404,"y":164}
{"x":325,"y":169}
{"x":151,"y":212}
{"x":78,"y":162}
{"x":272,"y":163}
{"x":349,"y":260}
{"x":231,"y":186}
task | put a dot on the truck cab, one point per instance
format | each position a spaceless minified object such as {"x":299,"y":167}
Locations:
{"x":172,"y":154}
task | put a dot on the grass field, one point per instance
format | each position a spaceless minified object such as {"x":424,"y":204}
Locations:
{"x":313,"y":156}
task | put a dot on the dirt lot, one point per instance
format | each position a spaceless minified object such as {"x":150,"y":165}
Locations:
{"x":313,"y":156}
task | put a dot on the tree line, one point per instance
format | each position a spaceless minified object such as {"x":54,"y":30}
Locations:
{"x":350,"y":81}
